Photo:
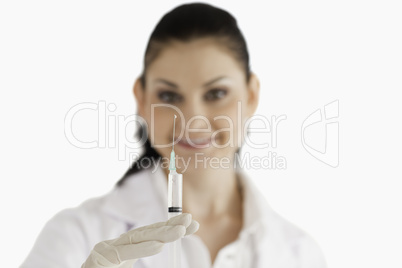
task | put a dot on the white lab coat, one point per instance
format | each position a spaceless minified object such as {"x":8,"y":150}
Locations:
{"x":266,"y":239}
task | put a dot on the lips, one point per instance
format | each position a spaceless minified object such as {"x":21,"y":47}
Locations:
{"x":195,"y":142}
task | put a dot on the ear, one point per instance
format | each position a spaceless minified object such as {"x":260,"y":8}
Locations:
{"x":253,"y":94}
{"x":139,"y":96}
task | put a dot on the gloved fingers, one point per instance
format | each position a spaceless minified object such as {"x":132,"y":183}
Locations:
{"x":109,"y":255}
{"x":192,"y":228}
{"x":154,"y":225}
{"x":161,"y":231}
{"x":182,"y":219}
{"x":105,"y":255}
{"x":96,"y":260}
{"x":163,"y":234}
{"x":140,"y":250}
{"x":141,"y":242}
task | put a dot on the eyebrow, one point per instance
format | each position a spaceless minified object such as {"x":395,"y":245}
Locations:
{"x":174,"y":86}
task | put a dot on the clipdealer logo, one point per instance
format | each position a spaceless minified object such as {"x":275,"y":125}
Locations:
{"x":116,"y":131}
{"x":320,"y":134}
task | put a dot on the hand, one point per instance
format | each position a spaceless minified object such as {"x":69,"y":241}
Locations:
{"x":140,"y":242}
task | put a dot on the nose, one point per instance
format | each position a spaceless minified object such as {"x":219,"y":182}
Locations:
{"x":195,"y":117}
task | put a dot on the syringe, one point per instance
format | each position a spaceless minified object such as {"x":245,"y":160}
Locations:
{"x":175,"y":189}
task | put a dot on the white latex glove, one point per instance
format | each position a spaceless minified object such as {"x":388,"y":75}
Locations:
{"x":144,"y":241}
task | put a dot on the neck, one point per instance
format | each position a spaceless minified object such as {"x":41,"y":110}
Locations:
{"x":211,"y":193}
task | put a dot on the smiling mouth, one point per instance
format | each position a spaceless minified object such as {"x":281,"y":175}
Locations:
{"x":198,"y":143}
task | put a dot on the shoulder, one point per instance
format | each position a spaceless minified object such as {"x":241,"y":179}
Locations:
{"x":103,"y":217}
{"x":103,"y":209}
{"x":83,"y":220}
{"x":90,"y":219}
{"x":68,"y":237}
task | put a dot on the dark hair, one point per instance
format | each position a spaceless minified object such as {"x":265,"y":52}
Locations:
{"x":185,"y":23}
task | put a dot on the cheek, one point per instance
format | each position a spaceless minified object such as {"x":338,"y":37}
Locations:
{"x":159,"y":128}
{"x":232,"y":120}
{"x":157,"y":119}
{"x":159,"y":123}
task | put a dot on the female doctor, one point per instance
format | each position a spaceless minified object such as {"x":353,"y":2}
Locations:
{"x":196,"y":61}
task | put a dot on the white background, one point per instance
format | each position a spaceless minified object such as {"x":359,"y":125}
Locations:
{"x":56,"y":54}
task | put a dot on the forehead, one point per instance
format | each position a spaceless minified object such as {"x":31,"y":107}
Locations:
{"x":195,"y":62}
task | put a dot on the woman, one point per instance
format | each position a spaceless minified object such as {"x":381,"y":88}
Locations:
{"x":196,"y":65}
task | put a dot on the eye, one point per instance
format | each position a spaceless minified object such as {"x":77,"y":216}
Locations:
{"x":215,"y":94}
{"x":169,"y":96}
